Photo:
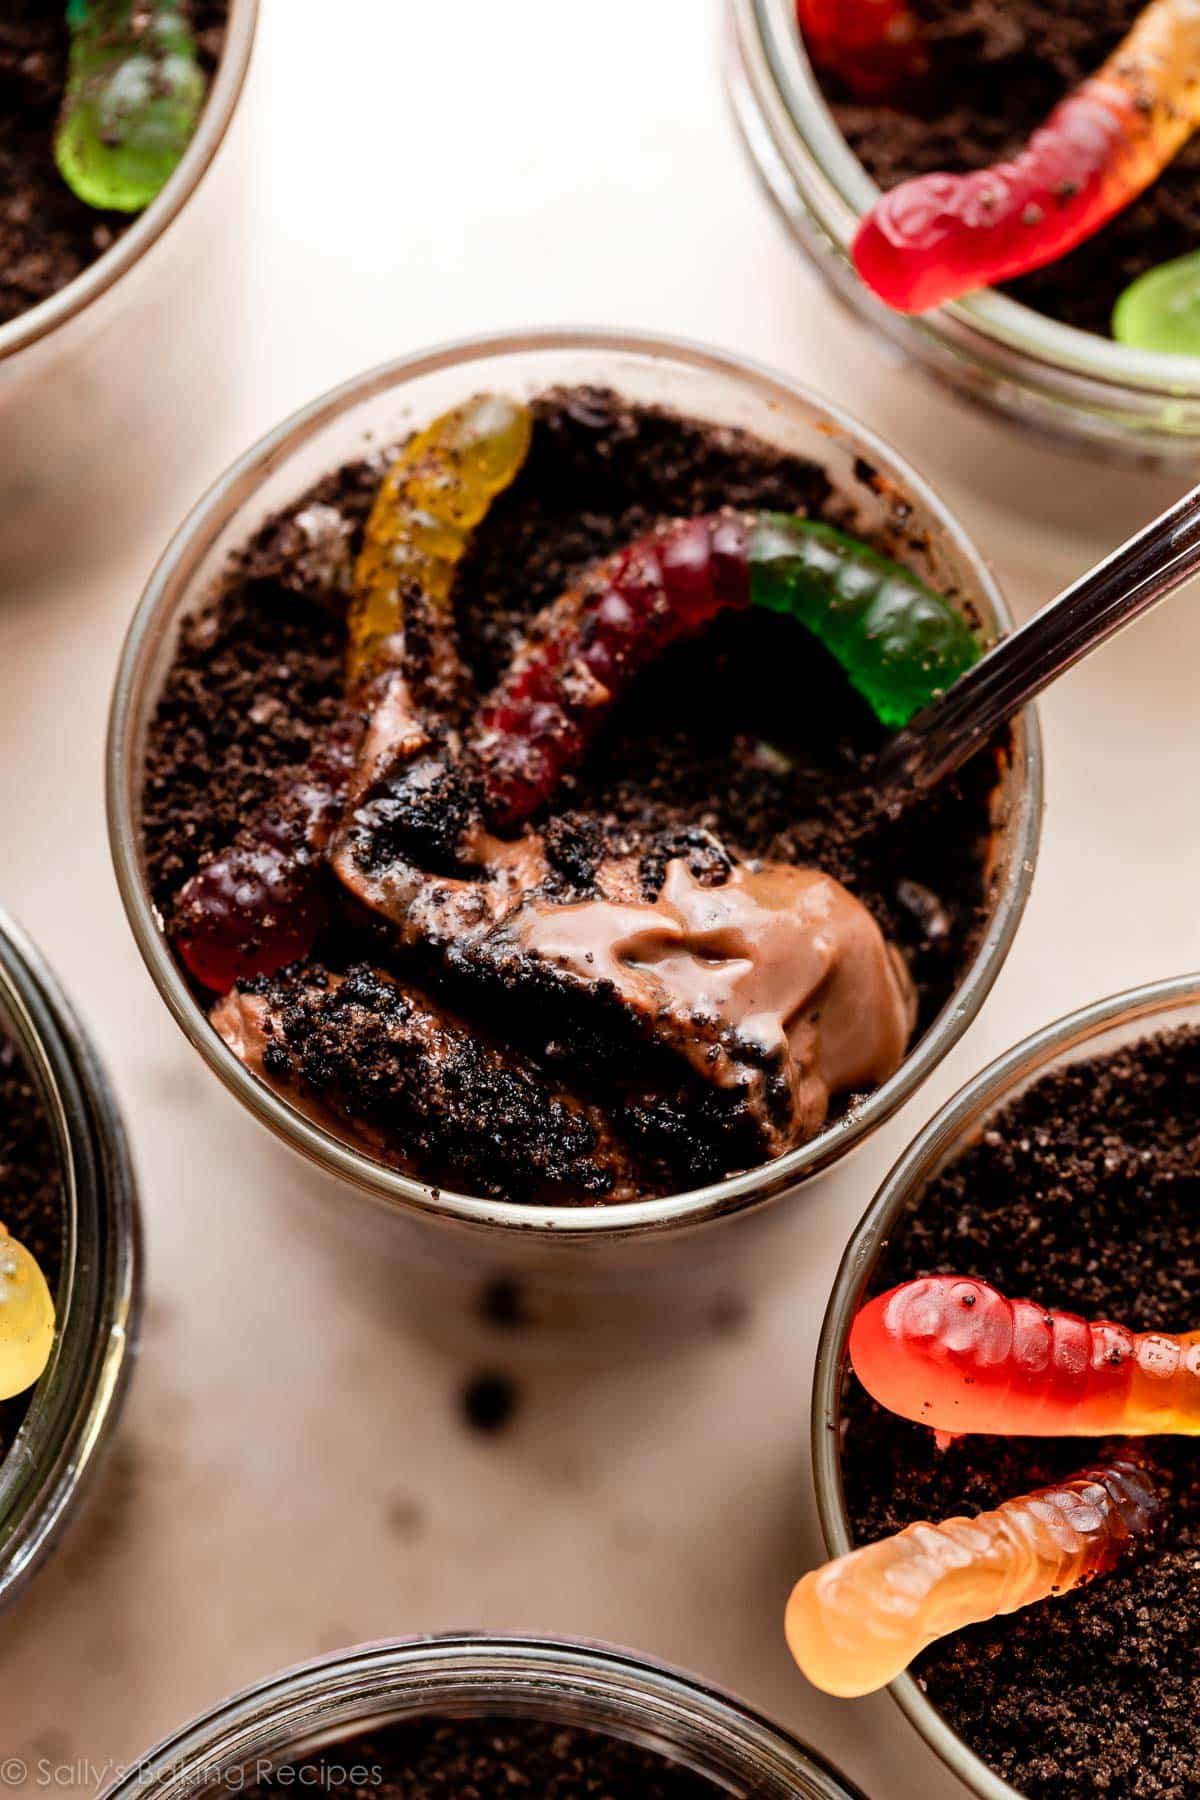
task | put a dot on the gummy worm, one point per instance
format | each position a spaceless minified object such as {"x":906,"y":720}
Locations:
{"x":874,"y":46}
{"x":897,"y":642}
{"x":26,"y":1318}
{"x":938,"y":236}
{"x":259,"y":904}
{"x":436,"y":493}
{"x":956,"y":1355}
{"x":856,"y":1623}
{"x":133,"y":98}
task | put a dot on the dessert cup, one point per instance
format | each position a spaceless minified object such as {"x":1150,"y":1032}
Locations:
{"x":620,"y":1244}
{"x":574,"y":1684}
{"x":94,"y":380}
{"x":1139,"y":407}
{"x":1095,"y":1030}
{"x":74,"y":1407}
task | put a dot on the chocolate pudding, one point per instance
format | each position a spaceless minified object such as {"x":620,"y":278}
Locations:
{"x":1084,"y":1195}
{"x":47,"y":235}
{"x":701,"y":943}
{"x":996,"y":69}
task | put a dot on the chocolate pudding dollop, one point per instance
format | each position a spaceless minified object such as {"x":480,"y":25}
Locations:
{"x":770,"y":984}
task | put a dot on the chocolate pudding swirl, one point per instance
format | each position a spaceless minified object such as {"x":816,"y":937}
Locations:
{"x":758,"y":989}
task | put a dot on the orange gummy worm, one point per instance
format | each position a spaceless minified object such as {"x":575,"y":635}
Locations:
{"x":957,"y":1355}
{"x":855,"y":1624}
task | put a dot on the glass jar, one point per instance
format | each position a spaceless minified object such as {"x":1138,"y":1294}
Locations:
{"x":91,"y":380}
{"x":1128,"y":405}
{"x":1097,"y":1030}
{"x":591,"y":1686}
{"x":74,"y":1407}
{"x":642,"y":1243}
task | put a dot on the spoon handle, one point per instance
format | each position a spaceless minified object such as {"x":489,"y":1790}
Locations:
{"x":1139,"y":574}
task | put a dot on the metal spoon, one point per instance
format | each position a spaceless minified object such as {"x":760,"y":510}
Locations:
{"x":1139,"y":574}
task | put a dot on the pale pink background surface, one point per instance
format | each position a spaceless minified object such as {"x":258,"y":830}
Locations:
{"x":472,"y":166}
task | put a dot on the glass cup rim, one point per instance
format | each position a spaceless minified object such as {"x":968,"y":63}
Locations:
{"x":388,"y":1670}
{"x":40,"y":321}
{"x":74,"y":1406}
{"x":847,"y":190}
{"x":696,"y":1205}
{"x":978,"y":1097}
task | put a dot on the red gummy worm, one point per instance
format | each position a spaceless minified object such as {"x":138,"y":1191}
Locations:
{"x":938,"y":236}
{"x":874,"y":46}
{"x":585,"y":649}
{"x":255,"y":907}
{"x":956,"y":1355}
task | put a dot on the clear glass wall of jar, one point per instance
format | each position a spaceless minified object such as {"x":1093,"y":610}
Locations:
{"x":320,"y":1704}
{"x":74,"y":1407}
{"x":578,"y":1258}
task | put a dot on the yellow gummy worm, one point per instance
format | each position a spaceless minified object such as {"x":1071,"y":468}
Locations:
{"x":26,"y":1318}
{"x":430,"y":501}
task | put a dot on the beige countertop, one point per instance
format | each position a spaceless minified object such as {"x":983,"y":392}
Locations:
{"x":292,"y":1474}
